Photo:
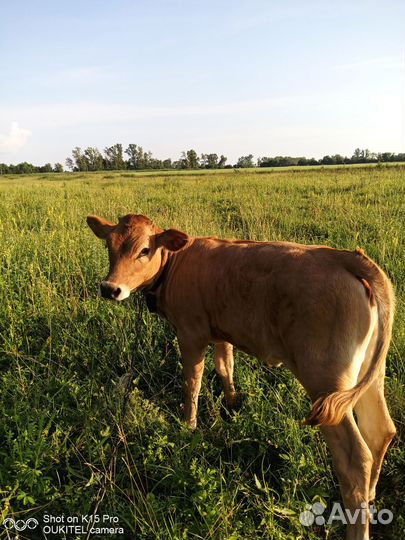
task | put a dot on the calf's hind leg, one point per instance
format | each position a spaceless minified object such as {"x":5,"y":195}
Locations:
{"x":376,"y":426}
{"x":352,"y":462}
{"x":351,"y":457}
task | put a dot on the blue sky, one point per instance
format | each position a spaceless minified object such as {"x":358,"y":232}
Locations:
{"x":234,"y":77}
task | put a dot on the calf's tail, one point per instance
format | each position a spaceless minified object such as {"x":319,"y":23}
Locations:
{"x":330,"y":409}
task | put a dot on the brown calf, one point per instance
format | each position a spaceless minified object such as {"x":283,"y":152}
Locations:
{"x":326,"y":314}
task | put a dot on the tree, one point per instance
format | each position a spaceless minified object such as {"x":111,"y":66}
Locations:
{"x":46,"y":168}
{"x":361,"y":156}
{"x":245,"y":162}
{"x":212,"y":161}
{"x":385,"y":156}
{"x":70,"y":164}
{"x":135,"y":155}
{"x":24,"y":168}
{"x":148,"y":160}
{"x":139,"y":159}
{"x":178,"y":164}
{"x":155,"y":163}
{"x":209,"y":161}
{"x":94,"y":159}
{"x":338,"y":159}
{"x":356,"y":156}
{"x":193,"y":159}
{"x":58,"y":168}
{"x":80,"y":161}
{"x":221,"y":162}
{"x":189,"y":160}
{"x":113,"y":157}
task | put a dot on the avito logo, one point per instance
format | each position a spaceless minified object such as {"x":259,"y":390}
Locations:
{"x":20,"y":524}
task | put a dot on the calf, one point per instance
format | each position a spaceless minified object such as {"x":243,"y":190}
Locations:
{"x":325,"y":314}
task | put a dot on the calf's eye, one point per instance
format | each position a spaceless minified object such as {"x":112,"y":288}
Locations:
{"x":144,"y":251}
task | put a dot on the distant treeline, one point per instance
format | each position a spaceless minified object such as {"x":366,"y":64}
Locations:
{"x":359,"y":156}
{"x":136,"y":159}
{"x":27,"y":168}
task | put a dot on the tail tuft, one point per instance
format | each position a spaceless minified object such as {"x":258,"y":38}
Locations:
{"x":329,"y":410}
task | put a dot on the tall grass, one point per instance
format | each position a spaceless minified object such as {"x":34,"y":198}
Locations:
{"x":76,"y":440}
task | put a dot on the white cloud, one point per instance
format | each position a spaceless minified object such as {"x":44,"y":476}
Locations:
{"x":14,"y":140}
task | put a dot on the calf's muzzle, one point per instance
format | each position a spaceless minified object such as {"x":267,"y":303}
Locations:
{"x":110,"y":290}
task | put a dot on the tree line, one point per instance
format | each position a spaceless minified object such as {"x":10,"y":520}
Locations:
{"x":134,"y":157}
{"x":28,"y":168}
{"x":359,"y":156}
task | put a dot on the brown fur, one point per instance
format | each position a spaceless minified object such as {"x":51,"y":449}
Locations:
{"x":331,"y":409}
{"x":326,"y":314}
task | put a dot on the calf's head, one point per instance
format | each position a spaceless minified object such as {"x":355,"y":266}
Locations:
{"x":137,"y":251}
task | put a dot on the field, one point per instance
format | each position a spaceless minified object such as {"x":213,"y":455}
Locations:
{"x":80,"y":436}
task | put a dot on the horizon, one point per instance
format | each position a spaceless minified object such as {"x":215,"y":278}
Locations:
{"x":252,"y":79}
{"x":372,"y":158}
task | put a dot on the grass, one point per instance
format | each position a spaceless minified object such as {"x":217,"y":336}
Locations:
{"x":74,"y":441}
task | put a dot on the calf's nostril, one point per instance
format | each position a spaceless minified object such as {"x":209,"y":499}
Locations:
{"x":116,"y":292}
{"x":109,"y":291}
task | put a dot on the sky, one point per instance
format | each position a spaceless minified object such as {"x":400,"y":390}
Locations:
{"x":233,"y":77}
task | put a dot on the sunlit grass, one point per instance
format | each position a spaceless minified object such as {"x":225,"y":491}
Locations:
{"x":68,"y":433}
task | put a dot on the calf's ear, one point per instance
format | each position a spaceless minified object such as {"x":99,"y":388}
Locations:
{"x":101,"y":227}
{"x":172,"y":239}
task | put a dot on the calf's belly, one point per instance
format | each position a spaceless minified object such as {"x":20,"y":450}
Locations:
{"x":262,"y":345}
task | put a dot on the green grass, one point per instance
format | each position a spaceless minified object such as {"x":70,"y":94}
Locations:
{"x":74,"y":442}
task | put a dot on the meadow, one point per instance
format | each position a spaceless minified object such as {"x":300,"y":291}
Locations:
{"x":90,"y":391}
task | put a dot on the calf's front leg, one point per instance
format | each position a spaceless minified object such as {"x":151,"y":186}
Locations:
{"x":224,"y":367}
{"x":193,"y":369}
